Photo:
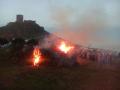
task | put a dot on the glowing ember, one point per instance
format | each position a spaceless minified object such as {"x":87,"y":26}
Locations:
{"x":36,"y":56}
{"x":65,"y":48}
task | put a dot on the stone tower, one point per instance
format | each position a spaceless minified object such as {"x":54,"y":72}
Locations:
{"x":19,"y":18}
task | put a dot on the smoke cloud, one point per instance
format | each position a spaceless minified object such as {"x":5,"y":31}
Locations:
{"x":88,"y":25}
{"x":83,"y":31}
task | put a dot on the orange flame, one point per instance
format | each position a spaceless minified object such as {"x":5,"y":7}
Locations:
{"x":65,"y":48}
{"x":36,"y":56}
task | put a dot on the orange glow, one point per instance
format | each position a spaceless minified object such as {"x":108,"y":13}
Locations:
{"x":65,"y":48}
{"x":36,"y":56}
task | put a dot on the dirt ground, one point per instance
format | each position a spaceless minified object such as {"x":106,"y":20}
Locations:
{"x":85,"y":77}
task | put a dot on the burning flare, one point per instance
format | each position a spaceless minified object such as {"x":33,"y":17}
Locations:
{"x":36,"y":56}
{"x":65,"y":48}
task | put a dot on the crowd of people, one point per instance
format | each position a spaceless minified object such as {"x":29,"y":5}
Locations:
{"x":93,"y":54}
{"x":98,"y":55}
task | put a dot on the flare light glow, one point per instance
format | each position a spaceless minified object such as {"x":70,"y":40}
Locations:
{"x":65,"y":48}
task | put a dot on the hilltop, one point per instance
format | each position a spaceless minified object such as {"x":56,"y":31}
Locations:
{"x":26,"y":29}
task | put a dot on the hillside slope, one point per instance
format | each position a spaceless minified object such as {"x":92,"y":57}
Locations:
{"x":25,"y":30}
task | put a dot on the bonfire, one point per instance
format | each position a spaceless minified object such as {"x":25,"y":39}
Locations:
{"x":64,"y":47}
{"x":37,"y":56}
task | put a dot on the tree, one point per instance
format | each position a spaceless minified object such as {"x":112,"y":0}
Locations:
{"x":33,"y":42}
{"x":18,"y":43}
{"x":3,"y":41}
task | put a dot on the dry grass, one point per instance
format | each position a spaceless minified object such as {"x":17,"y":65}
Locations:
{"x":86,"y":77}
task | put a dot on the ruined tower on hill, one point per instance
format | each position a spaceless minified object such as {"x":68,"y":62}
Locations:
{"x":19,"y":18}
{"x":21,"y":28}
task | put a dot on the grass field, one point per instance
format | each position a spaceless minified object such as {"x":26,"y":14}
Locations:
{"x":86,"y":77}
{"x":90,"y":76}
